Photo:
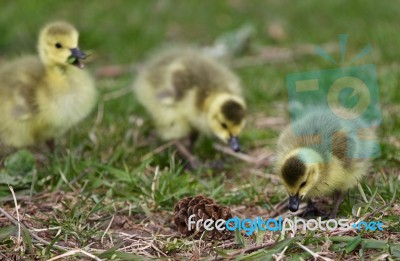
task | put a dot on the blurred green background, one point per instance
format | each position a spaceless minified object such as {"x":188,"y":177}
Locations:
{"x":123,"y":31}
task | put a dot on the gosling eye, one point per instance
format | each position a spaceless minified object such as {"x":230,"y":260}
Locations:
{"x":223,"y":125}
{"x":303,"y":184}
{"x":58,"y":45}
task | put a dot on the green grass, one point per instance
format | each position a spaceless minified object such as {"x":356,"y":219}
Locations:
{"x":104,"y":191}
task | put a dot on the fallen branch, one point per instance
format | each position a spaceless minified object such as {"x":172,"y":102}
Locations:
{"x":240,"y":155}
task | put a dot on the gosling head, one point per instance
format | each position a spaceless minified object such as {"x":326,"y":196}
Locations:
{"x":226,"y":117}
{"x":299,"y":174}
{"x":58,"y":45}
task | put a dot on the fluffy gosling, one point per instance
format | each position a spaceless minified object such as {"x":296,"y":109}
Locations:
{"x":42,"y":97}
{"x":320,"y":154}
{"x":187,"y":93}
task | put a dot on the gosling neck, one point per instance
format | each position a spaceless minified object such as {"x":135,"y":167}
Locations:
{"x":210,"y":102}
{"x":59,"y":69}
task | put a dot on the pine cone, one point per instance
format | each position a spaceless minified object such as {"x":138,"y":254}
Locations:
{"x":203,"y":208}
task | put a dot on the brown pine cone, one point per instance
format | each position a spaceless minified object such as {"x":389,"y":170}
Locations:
{"x":203,"y":208}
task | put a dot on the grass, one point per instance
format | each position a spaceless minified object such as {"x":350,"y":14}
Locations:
{"x":107,"y":193}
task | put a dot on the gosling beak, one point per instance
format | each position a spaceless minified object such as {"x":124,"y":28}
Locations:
{"x":234,"y":143}
{"x":294,"y":202}
{"x":76,"y":57}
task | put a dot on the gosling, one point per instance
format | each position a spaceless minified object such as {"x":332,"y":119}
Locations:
{"x":188,"y":94}
{"x":41,"y":97}
{"x":322,"y":154}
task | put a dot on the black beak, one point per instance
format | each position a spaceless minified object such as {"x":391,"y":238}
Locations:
{"x":234,"y":143}
{"x":77,"y":53}
{"x":79,"y":56}
{"x":294,"y":202}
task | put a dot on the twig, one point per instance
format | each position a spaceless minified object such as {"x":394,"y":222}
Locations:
{"x":4,"y":257}
{"x":15,"y":222}
{"x":315,"y":255}
{"x":193,"y":161}
{"x":239,"y":155}
{"x":44,"y":229}
{"x":157,"y":150}
{"x":16,"y":210}
{"x":108,"y":227}
{"x":281,"y":254}
{"x":278,"y":207}
{"x":157,"y":249}
{"x":73,"y":252}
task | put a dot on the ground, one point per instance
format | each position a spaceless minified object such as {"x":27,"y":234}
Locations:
{"x":109,"y":189}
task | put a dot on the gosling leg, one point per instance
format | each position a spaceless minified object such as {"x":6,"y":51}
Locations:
{"x":51,"y":144}
{"x":194,"y":135}
{"x":194,"y":163}
{"x":337,"y":199}
{"x":313,"y":211}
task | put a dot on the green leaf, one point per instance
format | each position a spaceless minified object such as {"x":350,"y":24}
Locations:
{"x":20,"y":163}
{"x":6,"y":232}
{"x":394,"y":249}
{"x":55,"y":239}
{"x":268,"y":252}
{"x":239,"y":238}
{"x":71,"y":59}
{"x":18,"y":169}
{"x":26,"y":237}
{"x":367,"y":243}
{"x":353,"y":244}
{"x":112,"y":254}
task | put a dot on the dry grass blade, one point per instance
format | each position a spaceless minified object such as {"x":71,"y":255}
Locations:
{"x":19,"y":238}
{"x":238,"y":155}
{"x":315,"y":255}
{"x":157,"y":150}
{"x":74,"y":252}
{"x":281,"y":254}
{"x":108,"y":227}
{"x":117,"y":94}
{"x":154,"y":183}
